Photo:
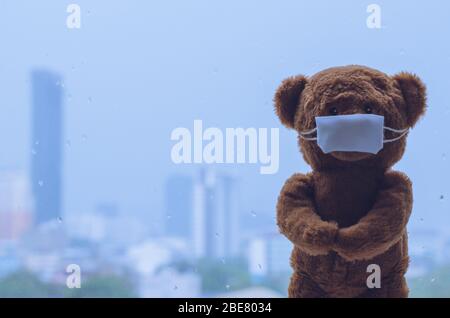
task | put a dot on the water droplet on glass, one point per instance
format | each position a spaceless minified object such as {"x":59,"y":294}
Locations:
{"x":441,"y":197}
{"x":175,"y":287}
{"x":259,"y":265}
{"x":402,"y":52}
{"x":227,"y":286}
{"x":41,"y":183}
{"x":60,"y":219}
{"x":84,"y":137}
{"x":217,"y":234}
{"x":444,"y":156}
{"x":36,"y":142}
{"x":253,"y":213}
{"x":421,"y":219}
{"x":432,"y":280}
{"x":33,"y":152}
{"x":223,"y":260}
{"x":169,"y":217}
{"x":89,"y":99}
{"x":68,"y":143}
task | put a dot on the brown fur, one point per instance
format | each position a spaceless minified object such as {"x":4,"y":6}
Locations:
{"x":351,"y":210}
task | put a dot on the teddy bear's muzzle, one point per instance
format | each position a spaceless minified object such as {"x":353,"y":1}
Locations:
{"x":351,"y":155}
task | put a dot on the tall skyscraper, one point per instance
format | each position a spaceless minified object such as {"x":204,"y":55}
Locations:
{"x":215,"y":225}
{"x":47,"y":143}
{"x":204,"y":211}
{"x":179,"y":206}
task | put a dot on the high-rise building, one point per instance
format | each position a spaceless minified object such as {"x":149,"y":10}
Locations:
{"x":204,"y":211}
{"x":215,"y":223}
{"x":47,"y":143}
{"x":15,"y":204}
{"x":179,"y":207}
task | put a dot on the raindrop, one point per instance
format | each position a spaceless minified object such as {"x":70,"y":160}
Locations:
{"x":217,"y":234}
{"x":33,"y":152}
{"x":89,"y":99}
{"x":84,"y":137}
{"x":41,"y":183}
{"x":36,"y":142}
{"x":253,"y":213}
{"x":421,"y":219}
{"x":441,"y":197}
{"x":169,"y":217}
{"x":60,"y":219}
{"x":223,"y":260}
{"x":175,"y":287}
{"x":444,"y":156}
{"x":402,"y":52}
{"x":259,"y":265}
{"x":68,"y":143}
{"x":227,"y":286}
{"x":433,"y":279}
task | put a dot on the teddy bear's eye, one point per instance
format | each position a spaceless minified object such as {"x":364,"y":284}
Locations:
{"x":333,"y":111}
{"x":368,"y":109}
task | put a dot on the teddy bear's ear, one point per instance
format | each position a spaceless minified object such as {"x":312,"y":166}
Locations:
{"x":287,"y":99}
{"x":414,"y":94}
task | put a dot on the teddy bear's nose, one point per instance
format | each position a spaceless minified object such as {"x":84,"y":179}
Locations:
{"x":353,"y":110}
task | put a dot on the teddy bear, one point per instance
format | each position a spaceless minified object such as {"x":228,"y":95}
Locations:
{"x":350,"y":212}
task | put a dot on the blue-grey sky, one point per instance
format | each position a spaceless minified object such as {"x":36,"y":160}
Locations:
{"x":138,"y":69}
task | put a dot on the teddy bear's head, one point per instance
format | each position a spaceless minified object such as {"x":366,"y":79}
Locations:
{"x":351,"y":90}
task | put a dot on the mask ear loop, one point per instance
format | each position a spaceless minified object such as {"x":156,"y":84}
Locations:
{"x":403,"y":132}
{"x":400,"y":131}
{"x":308,"y":132}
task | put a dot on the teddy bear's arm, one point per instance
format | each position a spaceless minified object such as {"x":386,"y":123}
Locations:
{"x":297,"y":219}
{"x":383,"y":226}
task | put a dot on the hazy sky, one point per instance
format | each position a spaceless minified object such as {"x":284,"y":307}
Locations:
{"x":138,"y":69}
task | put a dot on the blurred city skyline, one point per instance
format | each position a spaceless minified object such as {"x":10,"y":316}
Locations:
{"x":117,"y":110}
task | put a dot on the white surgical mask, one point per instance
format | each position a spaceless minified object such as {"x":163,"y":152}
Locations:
{"x":357,"y":132}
